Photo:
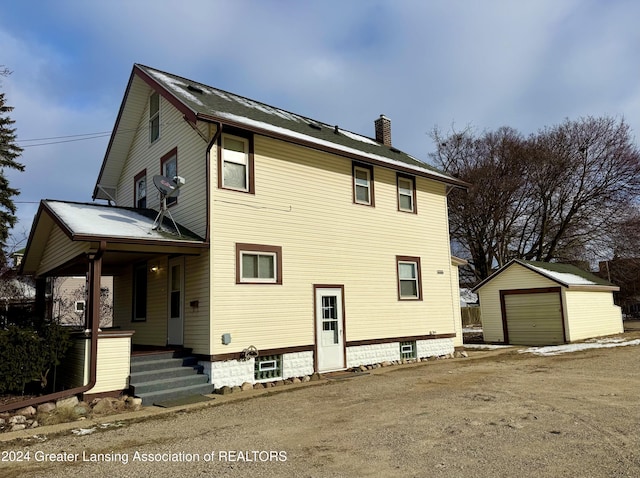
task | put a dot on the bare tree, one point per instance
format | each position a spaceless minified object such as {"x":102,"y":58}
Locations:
{"x":483,"y":217}
{"x":558,"y":195}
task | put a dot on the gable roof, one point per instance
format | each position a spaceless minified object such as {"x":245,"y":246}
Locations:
{"x":199,"y":102}
{"x":566,"y":275}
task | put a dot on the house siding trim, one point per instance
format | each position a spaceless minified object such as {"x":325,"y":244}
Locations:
{"x":358,"y":343}
{"x":364,"y":158}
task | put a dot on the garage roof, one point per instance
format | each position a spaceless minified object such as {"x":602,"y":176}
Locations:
{"x":566,"y":275}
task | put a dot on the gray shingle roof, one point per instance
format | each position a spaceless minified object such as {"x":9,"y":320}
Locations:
{"x":209,"y":103}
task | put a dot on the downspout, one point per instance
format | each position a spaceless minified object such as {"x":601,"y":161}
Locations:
{"x":213,"y":141}
{"x":95,"y":271}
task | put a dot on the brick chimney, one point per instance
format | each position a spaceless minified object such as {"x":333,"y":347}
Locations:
{"x":383,"y":130}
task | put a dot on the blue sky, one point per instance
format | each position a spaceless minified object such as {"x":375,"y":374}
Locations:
{"x":525,"y":64}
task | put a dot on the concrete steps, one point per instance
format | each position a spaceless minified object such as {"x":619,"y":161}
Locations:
{"x":166,"y":376}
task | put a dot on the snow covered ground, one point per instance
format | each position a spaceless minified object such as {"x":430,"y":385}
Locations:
{"x":602,"y":343}
{"x":605,"y":343}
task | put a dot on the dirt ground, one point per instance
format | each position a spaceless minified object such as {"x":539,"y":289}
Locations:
{"x":495,"y":414}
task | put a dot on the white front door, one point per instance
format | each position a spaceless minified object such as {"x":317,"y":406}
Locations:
{"x":176,"y":302}
{"x":329,"y":329}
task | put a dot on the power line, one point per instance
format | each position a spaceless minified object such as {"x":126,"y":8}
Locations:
{"x":72,"y":138}
{"x":64,"y":137}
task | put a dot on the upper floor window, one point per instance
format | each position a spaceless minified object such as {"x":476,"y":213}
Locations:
{"x":406,"y":193}
{"x":236,"y":163}
{"x":154,"y":117}
{"x":169,"y":168}
{"x":409,"y":287}
{"x":140,"y":189}
{"x":363,"y":184}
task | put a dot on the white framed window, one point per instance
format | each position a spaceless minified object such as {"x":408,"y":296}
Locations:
{"x":154,"y":117}
{"x":408,"y":350}
{"x":268,"y":367}
{"x":406,"y":194}
{"x":79,"y":306}
{"x":363,"y":185}
{"x":258,"y":267}
{"x":235,"y":163}
{"x":140,"y":189}
{"x":409,"y":287}
{"x":169,"y":168}
{"x":258,"y":264}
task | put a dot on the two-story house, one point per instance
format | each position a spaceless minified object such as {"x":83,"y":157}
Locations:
{"x":302,"y":247}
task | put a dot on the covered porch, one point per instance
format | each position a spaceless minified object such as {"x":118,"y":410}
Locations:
{"x":80,"y":239}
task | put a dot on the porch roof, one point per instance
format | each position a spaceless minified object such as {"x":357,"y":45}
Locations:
{"x":63,"y":233}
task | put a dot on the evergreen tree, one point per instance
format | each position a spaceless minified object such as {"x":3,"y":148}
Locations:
{"x":9,"y":153}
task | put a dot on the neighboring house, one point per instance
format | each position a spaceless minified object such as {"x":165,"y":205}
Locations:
{"x":68,"y":300}
{"x":541,"y":303}
{"x":314,"y":247}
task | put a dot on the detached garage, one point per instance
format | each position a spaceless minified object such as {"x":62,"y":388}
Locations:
{"x":540,"y":303}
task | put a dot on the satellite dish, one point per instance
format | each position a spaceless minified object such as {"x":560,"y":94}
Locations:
{"x":168,"y":188}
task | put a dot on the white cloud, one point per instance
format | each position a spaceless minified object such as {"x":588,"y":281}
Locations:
{"x":491,"y":63}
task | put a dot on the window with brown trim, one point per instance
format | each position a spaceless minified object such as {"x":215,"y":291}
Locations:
{"x":169,"y":168}
{"x":409,"y":278}
{"x":258,"y":264}
{"x":154,"y":117}
{"x":139,"y":312}
{"x":235,"y":162}
{"x":406,"y":193}
{"x":363,"y":184}
{"x":140,"y":189}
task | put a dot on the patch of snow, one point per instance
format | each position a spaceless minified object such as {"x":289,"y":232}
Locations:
{"x":357,"y":137}
{"x":486,"y":346}
{"x":321,"y":142}
{"x":179,"y":87}
{"x":471,"y":330}
{"x":98,"y":220}
{"x":563,"y":276}
{"x":83,"y":431}
{"x":566,"y":348}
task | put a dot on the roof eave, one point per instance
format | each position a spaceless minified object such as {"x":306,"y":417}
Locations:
{"x":188,"y":113}
{"x":310,"y":144}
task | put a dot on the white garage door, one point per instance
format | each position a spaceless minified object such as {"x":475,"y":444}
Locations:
{"x":534,"y":319}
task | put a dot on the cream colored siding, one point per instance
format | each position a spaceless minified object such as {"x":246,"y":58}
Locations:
{"x":113,"y":366}
{"x":303,"y":202}
{"x":534,"y":319}
{"x":457,"y":313}
{"x":515,"y":277}
{"x":196,"y":317}
{"x":60,"y":249}
{"x":592,"y":314}
{"x":175,"y":132}
{"x":153,"y":331}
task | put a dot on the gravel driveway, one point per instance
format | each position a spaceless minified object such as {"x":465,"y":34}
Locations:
{"x":495,"y":414}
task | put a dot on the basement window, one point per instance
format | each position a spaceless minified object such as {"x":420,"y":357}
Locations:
{"x":408,"y":350}
{"x":268,"y":367}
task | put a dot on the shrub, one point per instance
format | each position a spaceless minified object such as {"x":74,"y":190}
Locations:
{"x":28,"y":353}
